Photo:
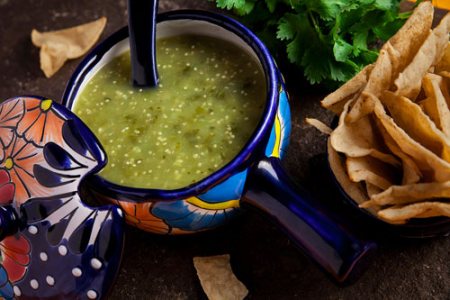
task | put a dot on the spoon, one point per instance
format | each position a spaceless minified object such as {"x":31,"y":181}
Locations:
{"x":141,"y":26}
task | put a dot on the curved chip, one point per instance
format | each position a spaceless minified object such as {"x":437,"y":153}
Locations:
{"x":409,"y":81}
{"x":433,"y":167}
{"x":417,"y":210}
{"x":395,"y":55}
{"x":359,"y":139}
{"x":422,"y":129}
{"x":58,"y":46}
{"x":410,"y":193}
{"x":436,"y":103}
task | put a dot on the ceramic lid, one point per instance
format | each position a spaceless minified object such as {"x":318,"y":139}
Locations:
{"x":54,"y":244}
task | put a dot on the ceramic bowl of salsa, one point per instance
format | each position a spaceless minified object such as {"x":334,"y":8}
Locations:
{"x":188,"y":155}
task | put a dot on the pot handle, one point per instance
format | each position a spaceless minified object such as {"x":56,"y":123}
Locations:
{"x":333,"y":245}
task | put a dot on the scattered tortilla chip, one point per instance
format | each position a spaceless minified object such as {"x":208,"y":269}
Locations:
{"x":410,"y":193}
{"x":217,"y":278}
{"x":319,"y":125}
{"x":424,"y":209}
{"x":61,"y":45}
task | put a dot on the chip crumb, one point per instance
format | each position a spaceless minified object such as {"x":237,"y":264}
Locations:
{"x":319,"y":125}
{"x":217,"y":278}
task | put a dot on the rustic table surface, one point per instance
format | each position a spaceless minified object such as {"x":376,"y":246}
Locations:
{"x":160,"y":267}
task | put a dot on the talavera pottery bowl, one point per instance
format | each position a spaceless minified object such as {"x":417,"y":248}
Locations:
{"x":253,"y":178}
{"x":53,"y":245}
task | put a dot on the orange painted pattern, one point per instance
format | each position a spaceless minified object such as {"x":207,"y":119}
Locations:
{"x":39,"y":122}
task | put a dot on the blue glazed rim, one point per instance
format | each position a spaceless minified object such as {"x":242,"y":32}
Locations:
{"x":252,"y":150}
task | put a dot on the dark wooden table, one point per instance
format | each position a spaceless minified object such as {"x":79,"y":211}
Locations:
{"x":160,"y":267}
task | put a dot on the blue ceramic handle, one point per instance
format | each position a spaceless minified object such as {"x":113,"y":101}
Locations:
{"x":335,"y":247}
{"x":142,"y":30}
{"x":9,"y":222}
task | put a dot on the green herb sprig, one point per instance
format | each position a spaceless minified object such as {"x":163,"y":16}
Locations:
{"x":330,"y":40}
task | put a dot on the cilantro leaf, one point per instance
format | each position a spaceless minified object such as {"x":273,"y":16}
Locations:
{"x":330,"y":40}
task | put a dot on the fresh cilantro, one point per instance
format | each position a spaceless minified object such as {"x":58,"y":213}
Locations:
{"x":330,"y":40}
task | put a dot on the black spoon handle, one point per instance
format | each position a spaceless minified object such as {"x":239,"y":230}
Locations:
{"x":142,"y":29}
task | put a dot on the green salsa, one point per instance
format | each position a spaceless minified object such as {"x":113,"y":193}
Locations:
{"x":208,"y":103}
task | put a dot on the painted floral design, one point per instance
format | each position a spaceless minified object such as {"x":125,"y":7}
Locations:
{"x":16,"y":256}
{"x":38,"y":122}
{"x":19,"y":160}
{"x":10,"y":113}
{"x":45,"y":151}
{"x":15,"y":250}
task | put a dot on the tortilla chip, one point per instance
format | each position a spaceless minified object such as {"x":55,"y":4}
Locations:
{"x":411,"y":173}
{"x":217,"y":278}
{"x":319,"y":125}
{"x":52,"y":59}
{"x":352,"y":189}
{"x":410,"y":193}
{"x":436,"y":104}
{"x":379,"y":79}
{"x":416,"y":210}
{"x":336,"y":100}
{"x":444,"y":63}
{"x":372,"y":189}
{"x":359,"y":139}
{"x":423,"y":130}
{"x":432,"y":167}
{"x":371,"y":171}
{"x":409,"y":81}
{"x":394,"y":56}
{"x":58,"y":46}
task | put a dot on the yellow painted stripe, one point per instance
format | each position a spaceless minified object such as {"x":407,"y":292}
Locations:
{"x":213,"y":206}
{"x":276,"y":146}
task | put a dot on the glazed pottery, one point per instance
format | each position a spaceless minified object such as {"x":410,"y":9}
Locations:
{"x":53,"y":245}
{"x":253,"y":178}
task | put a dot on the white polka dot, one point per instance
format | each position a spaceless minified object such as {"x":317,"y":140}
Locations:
{"x":34,"y":284}
{"x":91,"y":294}
{"x":62,"y":250}
{"x":32,"y":229}
{"x":120,"y":212}
{"x":17,"y":291}
{"x":77,"y":272}
{"x":50,"y":280}
{"x":96,"y":264}
{"x":43,"y":256}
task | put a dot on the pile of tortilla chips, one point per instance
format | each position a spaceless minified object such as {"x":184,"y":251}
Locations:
{"x":391,"y":149}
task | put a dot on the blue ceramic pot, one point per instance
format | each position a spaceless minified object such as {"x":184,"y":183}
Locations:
{"x":253,"y":178}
